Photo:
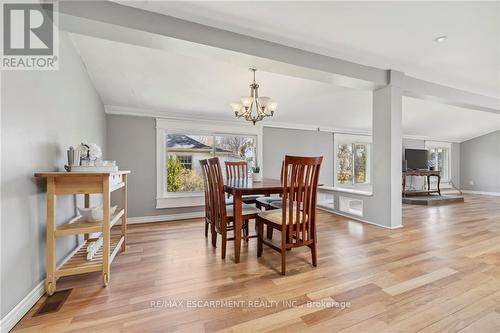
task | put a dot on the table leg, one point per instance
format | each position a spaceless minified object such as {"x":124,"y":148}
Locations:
{"x":428,"y":184}
{"x":50,"y":281}
{"x":439,"y":182}
{"x":404,"y":185}
{"x":106,"y":232}
{"x":237,"y":211}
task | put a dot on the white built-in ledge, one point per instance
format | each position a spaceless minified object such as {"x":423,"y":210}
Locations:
{"x":345,"y":190}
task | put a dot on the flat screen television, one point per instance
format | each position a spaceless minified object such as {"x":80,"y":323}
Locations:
{"x":416,"y":159}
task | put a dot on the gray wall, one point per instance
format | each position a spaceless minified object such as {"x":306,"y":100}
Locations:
{"x":132,"y":143}
{"x":43,"y":112}
{"x":456,"y":155}
{"x":279,"y":142}
{"x":480,"y":163}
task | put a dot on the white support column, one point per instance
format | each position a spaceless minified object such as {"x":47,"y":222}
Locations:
{"x":387,"y":148}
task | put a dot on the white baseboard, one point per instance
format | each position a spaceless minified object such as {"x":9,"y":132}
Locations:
{"x":357,"y":218}
{"x":11,"y":318}
{"x":164,"y":218}
{"x":495,"y":194}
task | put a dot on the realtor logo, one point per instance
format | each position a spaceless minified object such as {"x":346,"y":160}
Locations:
{"x":29,"y":36}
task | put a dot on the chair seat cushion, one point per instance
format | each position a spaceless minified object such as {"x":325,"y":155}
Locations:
{"x":276,"y":204}
{"x":275,"y":216}
{"x":246,"y":210}
{"x":268,"y":200}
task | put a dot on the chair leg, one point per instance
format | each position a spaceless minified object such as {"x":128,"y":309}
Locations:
{"x":214,"y":235}
{"x":224,"y":243}
{"x":206,"y":228}
{"x":260,"y":235}
{"x":214,"y":239}
{"x":269,"y":232}
{"x":247,"y":231}
{"x":313,"y":253}
{"x":283,"y":251}
{"x":283,"y":262}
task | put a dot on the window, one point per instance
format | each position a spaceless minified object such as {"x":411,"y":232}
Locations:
{"x":186,"y":161}
{"x":439,"y":158}
{"x":236,"y":148}
{"x":344,"y":164}
{"x":184,"y":151}
{"x":352,"y":163}
{"x":182,"y":143}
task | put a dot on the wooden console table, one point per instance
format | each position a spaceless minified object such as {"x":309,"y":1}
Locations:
{"x":422,"y":173}
{"x":114,"y":237}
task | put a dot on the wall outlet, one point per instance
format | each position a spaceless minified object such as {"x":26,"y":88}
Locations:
{"x":471,"y":182}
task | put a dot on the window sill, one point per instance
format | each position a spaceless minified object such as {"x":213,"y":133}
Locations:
{"x":345,"y":190}
{"x":181,"y":200}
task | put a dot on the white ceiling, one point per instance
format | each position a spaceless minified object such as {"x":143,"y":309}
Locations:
{"x":150,"y":81}
{"x":391,"y":35}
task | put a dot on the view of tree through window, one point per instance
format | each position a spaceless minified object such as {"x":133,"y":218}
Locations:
{"x":344,"y":164}
{"x":185,"y":151}
{"x":235,"y":148}
{"x":353,"y":163}
{"x":360,"y":163}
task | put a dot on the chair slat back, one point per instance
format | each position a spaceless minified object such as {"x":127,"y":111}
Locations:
{"x":300,"y":182}
{"x":217,"y":187}
{"x":236,"y":169}
{"x":209,"y":206}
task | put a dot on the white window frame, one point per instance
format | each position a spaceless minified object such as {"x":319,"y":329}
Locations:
{"x":340,"y":139}
{"x":166,"y":126}
{"x":440,"y":144}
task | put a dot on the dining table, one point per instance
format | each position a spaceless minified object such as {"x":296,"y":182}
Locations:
{"x":238,"y":187}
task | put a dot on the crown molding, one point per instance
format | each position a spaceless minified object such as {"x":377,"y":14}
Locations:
{"x":173,"y":115}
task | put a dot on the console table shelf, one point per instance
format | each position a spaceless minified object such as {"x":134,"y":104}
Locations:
{"x":79,"y":225}
{"x":77,"y":263}
{"x":114,"y":235}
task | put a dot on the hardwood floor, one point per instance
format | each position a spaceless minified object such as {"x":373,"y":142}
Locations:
{"x":440,"y":273}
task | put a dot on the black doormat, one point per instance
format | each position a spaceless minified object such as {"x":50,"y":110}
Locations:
{"x":53,"y":303}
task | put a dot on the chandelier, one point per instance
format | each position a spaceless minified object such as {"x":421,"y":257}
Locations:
{"x":254,"y":108}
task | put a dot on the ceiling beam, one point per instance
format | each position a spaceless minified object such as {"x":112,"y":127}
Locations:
{"x":113,"y":21}
{"x":126,"y":24}
{"x":426,"y":90}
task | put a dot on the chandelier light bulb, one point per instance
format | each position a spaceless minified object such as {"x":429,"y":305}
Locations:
{"x":236,"y":108}
{"x":263,"y":102}
{"x":246,"y":101}
{"x":272,"y":107}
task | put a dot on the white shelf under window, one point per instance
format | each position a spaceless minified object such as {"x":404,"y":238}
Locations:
{"x":351,"y":206}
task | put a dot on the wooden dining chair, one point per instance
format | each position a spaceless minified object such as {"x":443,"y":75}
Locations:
{"x":265,"y":202}
{"x":209,"y":205}
{"x":223,"y":216}
{"x":239,"y":170}
{"x":269,"y":203}
{"x":297,"y":219}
